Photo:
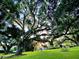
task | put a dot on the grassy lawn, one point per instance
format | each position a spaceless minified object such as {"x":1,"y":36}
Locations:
{"x":73,"y":53}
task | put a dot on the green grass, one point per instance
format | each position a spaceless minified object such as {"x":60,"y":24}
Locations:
{"x":73,"y":53}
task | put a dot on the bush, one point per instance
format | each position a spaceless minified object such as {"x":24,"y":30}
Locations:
{"x":65,"y":49}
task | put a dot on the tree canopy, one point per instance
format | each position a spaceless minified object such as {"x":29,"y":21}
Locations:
{"x":28,"y":20}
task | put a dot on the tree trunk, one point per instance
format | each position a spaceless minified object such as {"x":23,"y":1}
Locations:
{"x":20,"y":49}
{"x":6,"y":48}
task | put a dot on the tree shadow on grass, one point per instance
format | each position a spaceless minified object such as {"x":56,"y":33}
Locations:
{"x":11,"y":56}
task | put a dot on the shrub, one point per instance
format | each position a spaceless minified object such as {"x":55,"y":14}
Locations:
{"x":65,"y":49}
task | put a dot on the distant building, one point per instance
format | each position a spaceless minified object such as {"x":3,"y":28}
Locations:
{"x":40,"y":45}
